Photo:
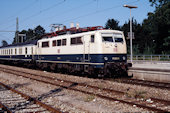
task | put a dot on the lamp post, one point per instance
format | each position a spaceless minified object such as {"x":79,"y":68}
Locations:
{"x":131,"y":52}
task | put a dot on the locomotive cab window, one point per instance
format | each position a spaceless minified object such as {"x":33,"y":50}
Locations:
{"x":107,"y":39}
{"x":118,"y":38}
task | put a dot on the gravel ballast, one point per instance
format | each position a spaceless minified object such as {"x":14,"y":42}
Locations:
{"x":73,"y":101}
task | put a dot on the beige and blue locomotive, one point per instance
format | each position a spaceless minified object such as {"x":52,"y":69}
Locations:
{"x":92,"y":50}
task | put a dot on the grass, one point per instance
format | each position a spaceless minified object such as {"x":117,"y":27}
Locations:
{"x":136,"y":94}
{"x":89,"y":98}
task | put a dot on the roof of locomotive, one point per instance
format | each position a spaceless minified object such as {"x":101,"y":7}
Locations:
{"x":33,"y":42}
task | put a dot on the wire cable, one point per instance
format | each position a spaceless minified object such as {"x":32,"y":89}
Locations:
{"x":10,"y":18}
{"x":99,"y":11}
{"x":38,"y":13}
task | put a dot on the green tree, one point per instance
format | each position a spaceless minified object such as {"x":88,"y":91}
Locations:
{"x":157,"y":25}
{"x":39,"y":31}
{"x":158,"y":3}
{"x":32,"y":34}
{"x":112,"y":24}
{"x":4,"y":43}
{"x":140,"y":39}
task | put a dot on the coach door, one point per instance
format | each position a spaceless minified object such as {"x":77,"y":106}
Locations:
{"x":86,"y":55}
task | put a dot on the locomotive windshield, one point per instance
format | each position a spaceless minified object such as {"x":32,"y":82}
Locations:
{"x":112,"y":37}
{"x":107,"y":39}
{"x":118,"y":38}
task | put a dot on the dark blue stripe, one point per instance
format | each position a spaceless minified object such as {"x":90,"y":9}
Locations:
{"x":93,"y":58}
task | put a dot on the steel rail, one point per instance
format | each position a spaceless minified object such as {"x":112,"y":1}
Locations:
{"x":32,"y":99}
{"x":148,"y":83}
{"x":147,"y":69}
{"x":86,"y":92}
{"x":91,"y":86}
{"x":5,"y":108}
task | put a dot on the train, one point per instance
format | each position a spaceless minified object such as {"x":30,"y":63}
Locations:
{"x":95,"y":51}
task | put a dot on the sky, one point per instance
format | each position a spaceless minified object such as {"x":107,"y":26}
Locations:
{"x":32,"y":13}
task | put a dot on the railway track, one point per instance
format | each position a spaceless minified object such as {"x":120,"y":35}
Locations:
{"x":12,"y":100}
{"x":152,"y":104}
{"x":147,"y":83}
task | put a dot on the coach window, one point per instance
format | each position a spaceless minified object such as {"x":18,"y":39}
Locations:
{"x":58,"y":42}
{"x":20,"y":50}
{"x":26,"y":50}
{"x":11,"y":51}
{"x":54,"y":42}
{"x":31,"y":50}
{"x":45,"y":44}
{"x":63,"y":42}
{"x":92,"y":38}
{"x":15,"y":51}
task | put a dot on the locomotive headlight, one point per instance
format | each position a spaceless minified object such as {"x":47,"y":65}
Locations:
{"x":105,"y":58}
{"x":124,"y":58}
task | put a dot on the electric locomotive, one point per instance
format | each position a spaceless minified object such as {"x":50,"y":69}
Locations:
{"x":91,"y":50}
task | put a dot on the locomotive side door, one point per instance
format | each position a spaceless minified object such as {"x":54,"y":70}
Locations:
{"x":32,"y":52}
{"x":86,"y":51}
{"x":39,"y":50}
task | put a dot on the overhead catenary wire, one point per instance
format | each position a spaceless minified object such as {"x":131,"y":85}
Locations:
{"x":43,"y":10}
{"x":98,"y":11}
{"x":75,"y":18}
{"x":88,"y":14}
{"x":5,"y":38}
{"x":38,"y":13}
{"x":71,"y":9}
{"x":66,"y":11}
{"x":13,"y":17}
